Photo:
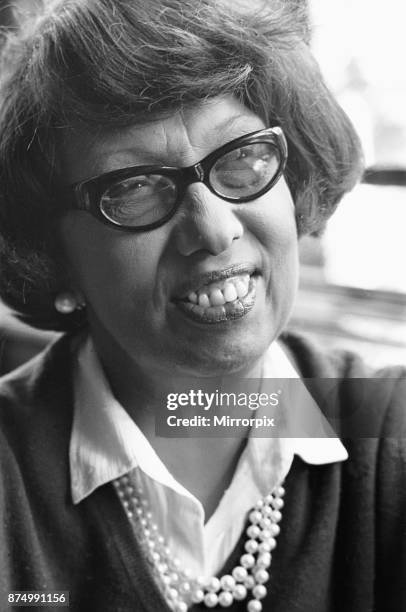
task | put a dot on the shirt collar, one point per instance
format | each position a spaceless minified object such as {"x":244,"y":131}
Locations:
{"x":106,"y":443}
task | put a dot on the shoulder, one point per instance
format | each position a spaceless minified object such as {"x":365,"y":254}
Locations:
{"x":361,"y":401}
{"x":313,"y":360}
{"x":26,"y":383}
{"x":35,"y":399}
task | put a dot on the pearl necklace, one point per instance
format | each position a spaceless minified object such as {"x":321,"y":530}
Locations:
{"x":177,"y":585}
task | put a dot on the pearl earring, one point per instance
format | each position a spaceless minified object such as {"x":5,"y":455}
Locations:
{"x":66,"y":303}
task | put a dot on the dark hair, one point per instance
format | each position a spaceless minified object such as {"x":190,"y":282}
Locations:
{"x":117,"y":62}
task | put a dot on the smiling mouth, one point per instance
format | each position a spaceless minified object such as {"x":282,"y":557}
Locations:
{"x":221,"y":300}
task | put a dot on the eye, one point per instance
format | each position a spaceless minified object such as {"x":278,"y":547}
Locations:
{"x":138,"y":200}
{"x":235,"y":155}
{"x":131,"y":189}
{"x":245,"y":170}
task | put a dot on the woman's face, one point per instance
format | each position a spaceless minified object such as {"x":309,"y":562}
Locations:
{"x":136,"y":284}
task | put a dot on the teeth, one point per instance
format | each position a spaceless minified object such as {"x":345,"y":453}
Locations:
{"x":220,"y":292}
{"x":217,"y":298}
{"x":204,"y":300}
{"x":230,"y":292}
{"x":241,"y":288}
{"x":199,"y":310}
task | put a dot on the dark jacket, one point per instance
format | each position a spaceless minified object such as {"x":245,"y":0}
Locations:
{"x":342,"y":545}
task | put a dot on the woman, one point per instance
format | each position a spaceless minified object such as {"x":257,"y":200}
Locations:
{"x":159,"y":161}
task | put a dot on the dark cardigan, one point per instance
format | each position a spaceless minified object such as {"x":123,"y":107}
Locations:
{"x":342,"y":545}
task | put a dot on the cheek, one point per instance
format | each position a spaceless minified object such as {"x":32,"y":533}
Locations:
{"x":275,"y":229}
{"x":272,"y":221}
{"x":104,"y":263}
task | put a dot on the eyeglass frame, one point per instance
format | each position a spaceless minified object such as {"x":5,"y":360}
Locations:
{"x":87,"y":194}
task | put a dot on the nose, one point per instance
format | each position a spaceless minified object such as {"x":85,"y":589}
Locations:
{"x":205,"y":222}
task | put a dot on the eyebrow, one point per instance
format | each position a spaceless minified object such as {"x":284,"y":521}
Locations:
{"x":238,"y":125}
{"x":232,"y":127}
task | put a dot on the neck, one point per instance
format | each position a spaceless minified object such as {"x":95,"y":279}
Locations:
{"x":203,"y":465}
{"x":144,"y":389}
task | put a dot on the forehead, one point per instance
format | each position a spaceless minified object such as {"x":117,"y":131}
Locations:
{"x":180,"y":139}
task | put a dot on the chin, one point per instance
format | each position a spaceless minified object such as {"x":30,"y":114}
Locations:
{"x":224,"y":357}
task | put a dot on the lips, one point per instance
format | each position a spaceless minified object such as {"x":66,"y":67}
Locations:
{"x":219,"y":295}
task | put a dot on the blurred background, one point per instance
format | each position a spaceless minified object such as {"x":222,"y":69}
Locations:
{"x":353,"y":279}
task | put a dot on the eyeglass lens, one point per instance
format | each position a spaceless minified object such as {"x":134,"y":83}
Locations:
{"x":144,"y":199}
{"x":245,"y":171}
